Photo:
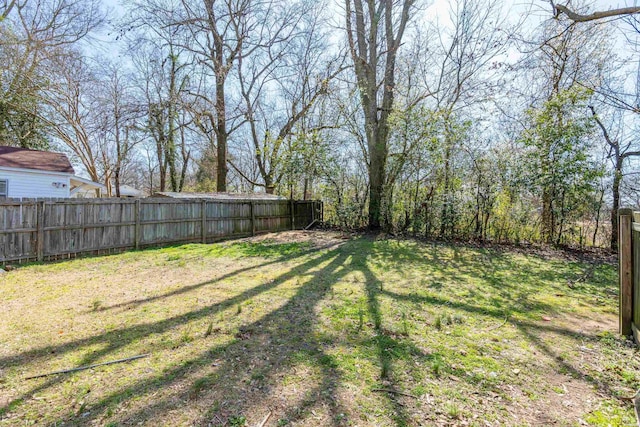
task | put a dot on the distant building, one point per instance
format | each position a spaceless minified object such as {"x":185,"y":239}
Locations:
{"x":129,"y":191}
{"x":35,"y":174}
{"x":125,"y":191}
{"x":219,"y":196}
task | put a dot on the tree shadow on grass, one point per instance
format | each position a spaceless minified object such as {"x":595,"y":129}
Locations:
{"x":246,"y":378}
{"x":515,"y":298}
{"x":498,"y":280}
{"x":146,"y":329}
{"x":533,"y":333}
{"x":284,"y":257}
{"x":385,"y":344}
{"x":393,"y":347}
{"x":263,"y":349}
{"x":274,"y":346}
{"x":513,"y":301}
{"x":117,"y":339}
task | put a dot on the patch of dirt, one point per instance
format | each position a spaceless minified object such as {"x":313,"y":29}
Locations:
{"x":316,"y":239}
{"x":567,"y":391}
{"x":562,"y":402}
{"x":589,"y":326}
{"x":590,"y":255}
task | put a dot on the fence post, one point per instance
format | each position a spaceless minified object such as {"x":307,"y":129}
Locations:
{"x":253,"y":218}
{"x":204,"y":221}
{"x":625,"y":259}
{"x":137,"y":230}
{"x":293,"y":218}
{"x":40,"y":231}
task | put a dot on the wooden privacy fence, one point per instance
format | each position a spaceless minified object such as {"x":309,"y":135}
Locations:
{"x":629,"y":271}
{"x":46,"y":230}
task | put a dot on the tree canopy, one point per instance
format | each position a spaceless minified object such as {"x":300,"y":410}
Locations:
{"x":458,"y":119}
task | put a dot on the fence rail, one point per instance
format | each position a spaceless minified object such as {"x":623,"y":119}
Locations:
{"x":53,"y":229}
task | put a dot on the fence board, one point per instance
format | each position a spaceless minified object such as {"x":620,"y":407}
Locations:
{"x":54,"y":229}
{"x":636,"y":279}
{"x":629,"y":242}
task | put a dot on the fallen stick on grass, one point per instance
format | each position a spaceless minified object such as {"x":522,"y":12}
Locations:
{"x":588,"y":274}
{"x":506,"y":319}
{"x":264,"y":421}
{"x":82,"y":368}
{"x":388,"y":390}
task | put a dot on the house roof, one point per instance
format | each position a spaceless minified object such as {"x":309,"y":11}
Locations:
{"x":127,"y":190}
{"x":79,"y":185}
{"x":79,"y":181}
{"x":220,"y":196}
{"x":14,"y":157}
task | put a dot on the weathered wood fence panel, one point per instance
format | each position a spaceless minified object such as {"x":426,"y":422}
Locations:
{"x":18,"y":229}
{"x":52,"y":229}
{"x":629,"y":271}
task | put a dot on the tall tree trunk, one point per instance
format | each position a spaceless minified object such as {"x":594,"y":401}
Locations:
{"x":221,"y":117}
{"x":617,"y":178}
{"x":598,"y":212}
{"x":171,"y":131}
{"x":305,"y":190}
{"x":156,"y":124}
{"x":221,"y":135}
{"x":547,"y":216}
{"x":377,"y":167}
{"x":477,"y":231}
{"x":366,"y":26}
{"x":269,"y":185}
{"x":445,"y":220}
{"x":119,"y":154}
{"x":562,"y":220}
{"x":116,"y":180}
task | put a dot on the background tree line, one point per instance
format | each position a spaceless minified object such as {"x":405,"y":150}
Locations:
{"x":459,"y":119}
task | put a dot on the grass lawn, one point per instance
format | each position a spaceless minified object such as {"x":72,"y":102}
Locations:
{"x":312,"y":329}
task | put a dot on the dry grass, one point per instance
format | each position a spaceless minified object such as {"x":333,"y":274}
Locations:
{"x":311,"y":326}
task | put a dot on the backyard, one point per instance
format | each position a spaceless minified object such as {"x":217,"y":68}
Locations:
{"x":315,"y":329}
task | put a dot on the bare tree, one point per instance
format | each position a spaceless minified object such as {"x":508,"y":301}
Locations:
{"x":35,"y":35}
{"x":280,"y":84}
{"x":71,"y":113}
{"x":374,"y":33}
{"x":164,"y":69}
{"x":164,"y":103}
{"x":618,"y":152}
{"x":200,"y":39}
{"x":118,"y":122}
{"x":219,"y":30}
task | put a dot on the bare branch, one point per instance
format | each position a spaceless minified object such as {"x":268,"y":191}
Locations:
{"x":576,"y":17}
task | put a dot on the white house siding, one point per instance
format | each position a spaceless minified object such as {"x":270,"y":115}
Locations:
{"x":33,"y":184}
